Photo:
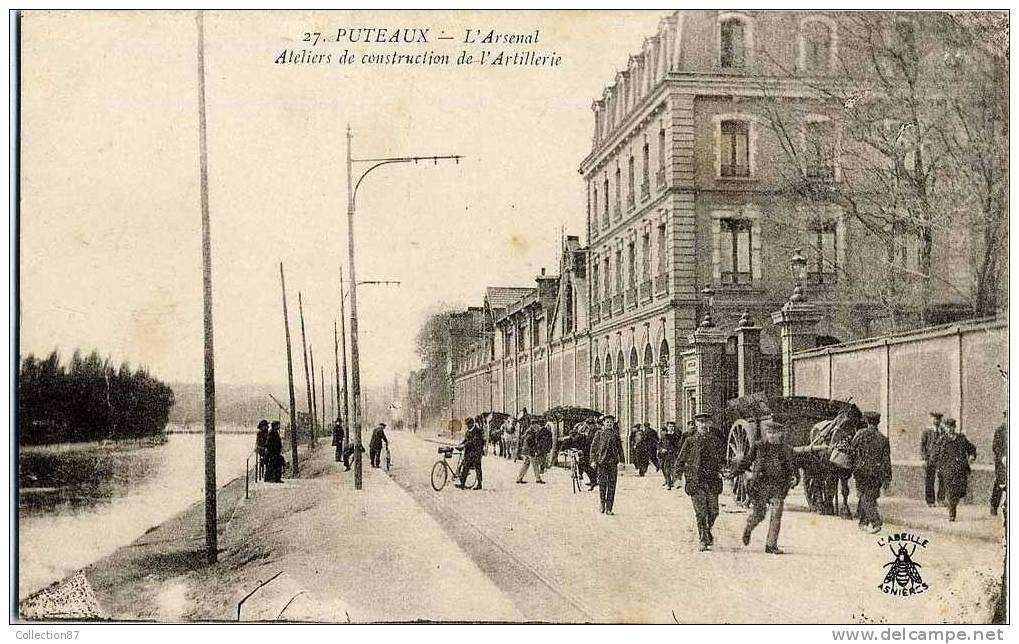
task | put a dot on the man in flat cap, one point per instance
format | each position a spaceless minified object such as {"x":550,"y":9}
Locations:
{"x":606,"y":455}
{"x":872,"y":471}
{"x":930,"y":446}
{"x":700,"y":460}
{"x":770,"y":461}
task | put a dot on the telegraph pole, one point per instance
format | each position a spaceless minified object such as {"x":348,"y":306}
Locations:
{"x":314,"y":398}
{"x":322,"y":392}
{"x":355,"y":374}
{"x":290,"y":376}
{"x":307,"y":377}
{"x":211,"y":546}
{"x":343,"y":347}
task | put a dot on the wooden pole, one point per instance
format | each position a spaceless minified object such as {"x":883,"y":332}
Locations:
{"x":336,"y":369}
{"x":211,"y":546}
{"x":322,"y":393}
{"x":290,"y":377}
{"x":314,"y":398}
{"x":355,"y":368}
{"x":307,"y":376}
{"x":343,"y":346}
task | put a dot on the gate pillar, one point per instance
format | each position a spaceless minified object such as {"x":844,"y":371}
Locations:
{"x":708,"y":344}
{"x":748,"y":354}
{"x":797,"y":321}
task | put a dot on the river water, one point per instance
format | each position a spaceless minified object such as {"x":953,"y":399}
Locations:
{"x":55,"y":540}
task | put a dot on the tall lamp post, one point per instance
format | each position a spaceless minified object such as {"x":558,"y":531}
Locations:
{"x":352,"y":186}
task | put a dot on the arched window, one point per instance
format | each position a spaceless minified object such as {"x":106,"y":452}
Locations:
{"x":733,"y":39}
{"x":649,"y":357}
{"x":663,"y":382}
{"x":649,"y":406}
{"x":816,"y":45}
{"x":608,"y":387}
{"x":596,"y":376}
{"x":634,"y":365}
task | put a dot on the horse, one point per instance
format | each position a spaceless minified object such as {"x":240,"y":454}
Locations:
{"x":823,"y":478}
{"x":491,"y":423}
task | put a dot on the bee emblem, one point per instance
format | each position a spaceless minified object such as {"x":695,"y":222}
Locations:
{"x":903,"y":571}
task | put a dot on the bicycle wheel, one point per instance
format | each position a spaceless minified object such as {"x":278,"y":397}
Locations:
{"x":576,"y":478}
{"x":440,"y":474}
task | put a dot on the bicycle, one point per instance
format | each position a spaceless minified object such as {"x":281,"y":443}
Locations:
{"x":387,"y":460}
{"x":575,"y":473}
{"x":441,"y":471}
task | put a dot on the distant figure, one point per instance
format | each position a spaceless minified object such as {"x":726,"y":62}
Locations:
{"x":668,"y":451}
{"x":872,"y":471}
{"x":956,"y":453}
{"x":930,"y":444}
{"x":638,"y":450}
{"x":999,"y":447}
{"x":375,"y":444}
{"x":773,"y":473}
{"x":606,"y":455}
{"x":651,"y":437}
{"x":473,"y":446}
{"x":530,"y":449}
{"x":338,"y":443}
{"x":545,"y":441}
{"x":274,"y":455}
{"x":260,"y":438}
{"x":700,"y":459}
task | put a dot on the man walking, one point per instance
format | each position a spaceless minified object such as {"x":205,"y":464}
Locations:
{"x":771,"y":462}
{"x":700,"y":459}
{"x":956,"y":453}
{"x":530,"y":450}
{"x":473,"y":446}
{"x":338,"y":442}
{"x":668,"y":451}
{"x":606,"y":454}
{"x":930,"y":442}
{"x":375,"y":444}
{"x":873,"y":471}
{"x":545,"y":441}
{"x":999,"y":447}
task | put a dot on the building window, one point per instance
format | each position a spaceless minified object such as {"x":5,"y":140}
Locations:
{"x":661,"y":249}
{"x":735,"y":149}
{"x":568,"y":321}
{"x":820,"y":146}
{"x":605,"y":278}
{"x":630,"y":176}
{"x":606,"y":222}
{"x":736,"y":254}
{"x":619,"y":271}
{"x":619,"y":190}
{"x":904,"y":250}
{"x":645,"y":255}
{"x":816,"y":45}
{"x":632,"y":257}
{"x":595,"y":280}
{"x":535,"y":333}
{"x":645,"y":168}
{"x":823,"y":262}
{"x":594,"y":208}
{"x":733,"y":44}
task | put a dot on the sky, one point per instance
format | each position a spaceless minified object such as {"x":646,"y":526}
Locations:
{"x":110,"y":220}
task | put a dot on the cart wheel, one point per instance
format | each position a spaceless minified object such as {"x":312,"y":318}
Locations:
{"x":736,"y":448}
{"x":440,"y":474}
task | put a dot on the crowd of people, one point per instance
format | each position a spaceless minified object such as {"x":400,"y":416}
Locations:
{"x":269,"y":450}
{"x":696,"y":460}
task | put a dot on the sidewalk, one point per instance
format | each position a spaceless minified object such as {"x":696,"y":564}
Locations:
{"x":333,"y":554}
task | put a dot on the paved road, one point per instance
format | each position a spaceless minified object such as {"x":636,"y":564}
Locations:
{"x":556,"y":558}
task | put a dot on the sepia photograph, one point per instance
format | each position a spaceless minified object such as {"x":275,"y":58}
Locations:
{"x":669,"y":316}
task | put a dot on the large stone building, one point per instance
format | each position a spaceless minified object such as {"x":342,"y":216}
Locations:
{"x":691,"y":225}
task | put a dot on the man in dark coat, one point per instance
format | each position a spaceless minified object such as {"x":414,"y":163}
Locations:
{"x":999,"y":447}
{"x":274,"y":455}
{"x":930,"y":442}
{"x":260,"y":438}
{"x":338,"y":440}
{"x":651,"y":438}
{"x":473,"y":446}
{"x":606,"y":455}
{"x":700,"y":460}
{"x":872,"y":471}
{"x":375,"y":444}
{"x":668,"y":452}
{"x":545,"y":441}
{"x":956,"y":453}
{"x":770,"y":462}
{"x":639,"y":450}
{"x":530,"y":450}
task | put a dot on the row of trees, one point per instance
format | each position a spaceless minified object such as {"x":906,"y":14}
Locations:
{"x":88,"y":400}
{"x":429,"y":389}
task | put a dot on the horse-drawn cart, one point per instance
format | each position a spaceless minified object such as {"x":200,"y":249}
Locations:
{"x":818,"y":429}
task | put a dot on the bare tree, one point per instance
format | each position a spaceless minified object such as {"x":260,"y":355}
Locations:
{"x":906,"y":130}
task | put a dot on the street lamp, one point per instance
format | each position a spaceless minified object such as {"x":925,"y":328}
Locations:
{"x":352,"y":186}
{"x":798,"y":263}
{"x":708,"y":295}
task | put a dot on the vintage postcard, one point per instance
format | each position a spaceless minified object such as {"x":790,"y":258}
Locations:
{"x":655,"y":317}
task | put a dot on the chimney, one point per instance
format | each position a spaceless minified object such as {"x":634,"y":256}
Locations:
{"x":543,"y":271}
